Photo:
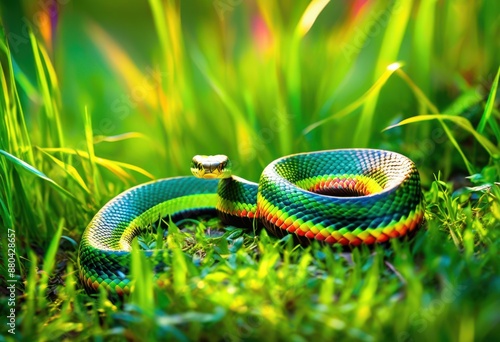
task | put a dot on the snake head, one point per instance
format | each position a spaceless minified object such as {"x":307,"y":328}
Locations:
{"x":209,"y":167}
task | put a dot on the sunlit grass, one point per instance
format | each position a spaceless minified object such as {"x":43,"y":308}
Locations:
{"x":255,"y":81}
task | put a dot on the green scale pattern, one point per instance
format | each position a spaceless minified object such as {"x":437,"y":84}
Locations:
{"x":281,"y":197}
{"x":281,"y":202}
{"x":104,"y":253}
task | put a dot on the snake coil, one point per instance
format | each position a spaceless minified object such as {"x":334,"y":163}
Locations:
{"x":340,"y":197}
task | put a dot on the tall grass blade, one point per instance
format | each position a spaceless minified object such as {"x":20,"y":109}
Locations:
{"x":49,"y":261}
{"x":312,"y":12}
{"x":121,"y":62}
{"x":293,"y":70}
{"x":161,"y":25}
{"x":120,"y":137}
{"x":15,"y":129}
{"x":426,"y":103}
{"x":50,"y":256}
{"x":70,"y":170}
{"x":493,"y":150}
{"x":393,"y":37}
{"x":179,"y":265}
{"x":374,"y":89}
{"x":217,"y":86}
{"x":89,"y":139}
{"x":42,"y":63}
{"x":423,"y":38}
{"x":24,"y":82}
{"x":245,"y":137}
{"x":463,"y":102}
{"x":30,"y":312}
{"x":6,"y":217}
{"x":488,"y":109}
{"x":32,"y":170}
{"x":112,"y":165}
{"x":142,"y":275}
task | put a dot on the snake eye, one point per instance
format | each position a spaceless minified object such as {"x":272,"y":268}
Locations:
{"x":196,"y":162}
{"x":222,"y":165}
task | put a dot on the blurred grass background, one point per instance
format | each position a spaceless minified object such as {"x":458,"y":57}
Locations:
{"x":99,"y":96}
{"x":246,"y":78}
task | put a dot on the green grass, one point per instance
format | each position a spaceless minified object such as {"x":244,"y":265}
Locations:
{"x":112,"y":96}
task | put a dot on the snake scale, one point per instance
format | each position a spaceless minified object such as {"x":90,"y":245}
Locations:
{"x":343,"y":197}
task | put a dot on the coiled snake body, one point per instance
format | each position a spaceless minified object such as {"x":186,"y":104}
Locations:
{"x":340,"y":197}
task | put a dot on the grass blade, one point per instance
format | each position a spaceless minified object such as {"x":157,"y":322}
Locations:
{"x":142,"y":279}
{"x":114,"y":166}
{"x":374,"y":89}
{"x":312,"y":12}
{"x":70,"y":170}
{"x":426,"y":103}
{"x":462,"y":122}
{"x":423,"y":43}
{"x":42,"y":63}
{"x":119,"y":137}
{"x":463,"y":102}
{"x":49,"y":259}
{"x":27,"y":167}
{"x":393,"y":38}
{"x":91,"y":154}
{"x":488,"y":109}
{"x":458,"y":120}
{"x":121,"y":63}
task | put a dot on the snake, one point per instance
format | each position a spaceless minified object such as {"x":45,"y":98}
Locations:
{"x":342,"y":197}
